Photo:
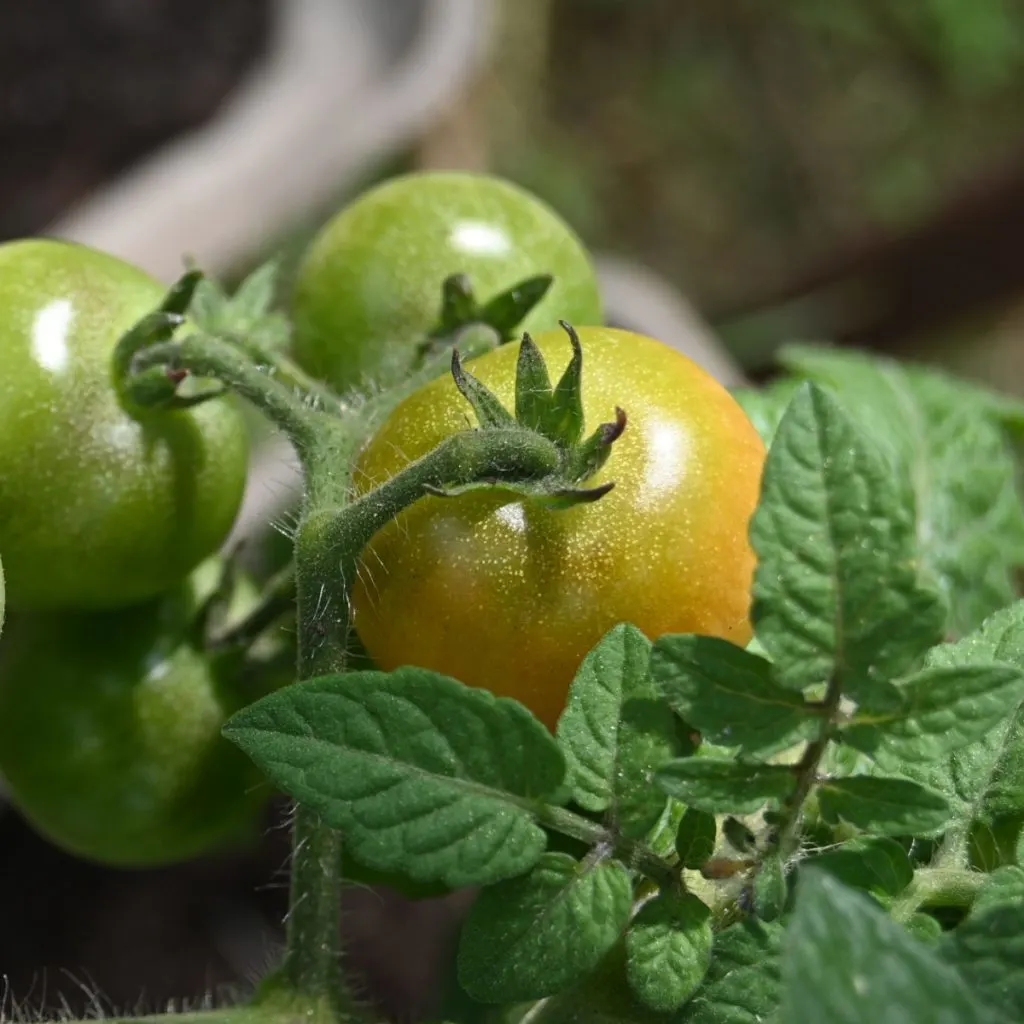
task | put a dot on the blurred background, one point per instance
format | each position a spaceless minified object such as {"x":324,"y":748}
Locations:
{"x":748,"y":173}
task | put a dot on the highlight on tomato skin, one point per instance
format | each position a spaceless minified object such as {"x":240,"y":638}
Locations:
{"x":510,"y":596}
{"x":98,"y":509}
{"x":369,"y":289}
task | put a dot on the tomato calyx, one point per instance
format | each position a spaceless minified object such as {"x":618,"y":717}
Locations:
{"x":556,"y":414}
{"x":502,"y":314}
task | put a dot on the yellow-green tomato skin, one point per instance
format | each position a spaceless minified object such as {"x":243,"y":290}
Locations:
{"x":369,"y":288}
{"x":510,"y":596}
{"x":110,"y":733}
{"x":98,"y":509}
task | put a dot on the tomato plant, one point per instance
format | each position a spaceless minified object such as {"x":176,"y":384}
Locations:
{"x":97,"y":508}
{"x":456,"y":584}
{"x":664,"y":820}
{"x":110,"y":730}
{"x":369,"y":289}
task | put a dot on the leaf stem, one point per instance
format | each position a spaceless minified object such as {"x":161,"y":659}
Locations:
{"x":937,"y":887}
{"x":277,"y":599}
{"x":634,"y":854}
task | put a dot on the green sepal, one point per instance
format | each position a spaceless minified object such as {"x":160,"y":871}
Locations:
{"x":590,"y":456}
{"x":534,"y":396}
{"x":507,"y":310}
{"x":567,"y":411}
{"x":489,"y":411}
{"x":458,"y":306}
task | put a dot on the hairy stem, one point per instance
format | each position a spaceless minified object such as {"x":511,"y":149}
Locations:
{"x":208,"y":357}
{"x":938,"y":887}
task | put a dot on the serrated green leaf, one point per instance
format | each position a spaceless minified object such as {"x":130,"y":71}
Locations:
{"x":944,"y":709}
{"x":988,"y":950}
{"x":875,"y":863}
{"x":535,"y":935}
{"x":668,"y":950}
{"x":425,"y":776}
{"x":885,"y":806}
{"x":729,"y":695}
{"x":721,"y":786}
{"x":974,"y":778}
{"x":695,"y":840}
{"x":944,"y":438}
{"x":765,"y":406}
{"x":846,"y":962}
{"x":743,"y":984}
{"x":614,"y":735}
{"x":836,"y":592}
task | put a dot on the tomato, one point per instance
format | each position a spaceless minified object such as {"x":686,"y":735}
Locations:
{"x":508,"y":595}
{"x":3,"y":598}
{"x":110,"y":726}
{"x":98,"y":509}
{"x":369,"y":288}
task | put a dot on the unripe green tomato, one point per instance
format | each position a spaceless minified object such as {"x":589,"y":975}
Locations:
{"x":110,"y":731}
{"x":98,"y":509}
{"x":510,"y":595}
{"x":369,"y":288}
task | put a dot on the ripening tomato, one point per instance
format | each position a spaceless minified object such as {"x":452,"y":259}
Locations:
{"x":98,"y":509}
{"x":508,"y":595}
{"x":369,"y":289}
{"x":110,"y":730}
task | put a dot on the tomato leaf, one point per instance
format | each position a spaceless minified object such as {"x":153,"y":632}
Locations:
{"x":425,"y":776}
{"x":876,"y":864}
{"x":614,"y":734}
{"x":847,"y":962}
{"x":695,"y":840}
{"x":743,"y":984}
{"x":729,"y":695}
{"x":836,"y":592}
{"x":719,"y":786}
{"x":533,"y":936}
{"x":668,"y":950}
{"x":767,"y":405}
{"x":945,"y":438}
{"x":988,"y":950}
{"x":985,"y":777}
{"x":885,"y":806}
{"x":944,"y":709}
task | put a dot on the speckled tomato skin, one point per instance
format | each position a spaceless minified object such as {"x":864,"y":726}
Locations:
{"x":510,"y":596}
{"x":98,"y":509}
{"x":369,"y":288}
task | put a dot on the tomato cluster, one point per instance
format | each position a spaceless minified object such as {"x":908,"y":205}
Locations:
{"x":111,"y":696}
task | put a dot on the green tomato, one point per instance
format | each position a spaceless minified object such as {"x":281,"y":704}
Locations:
{"x":98,"y":509}
{"x":510,"y":595}
{"x":110,"y":731}
{"x":369,"y":289}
